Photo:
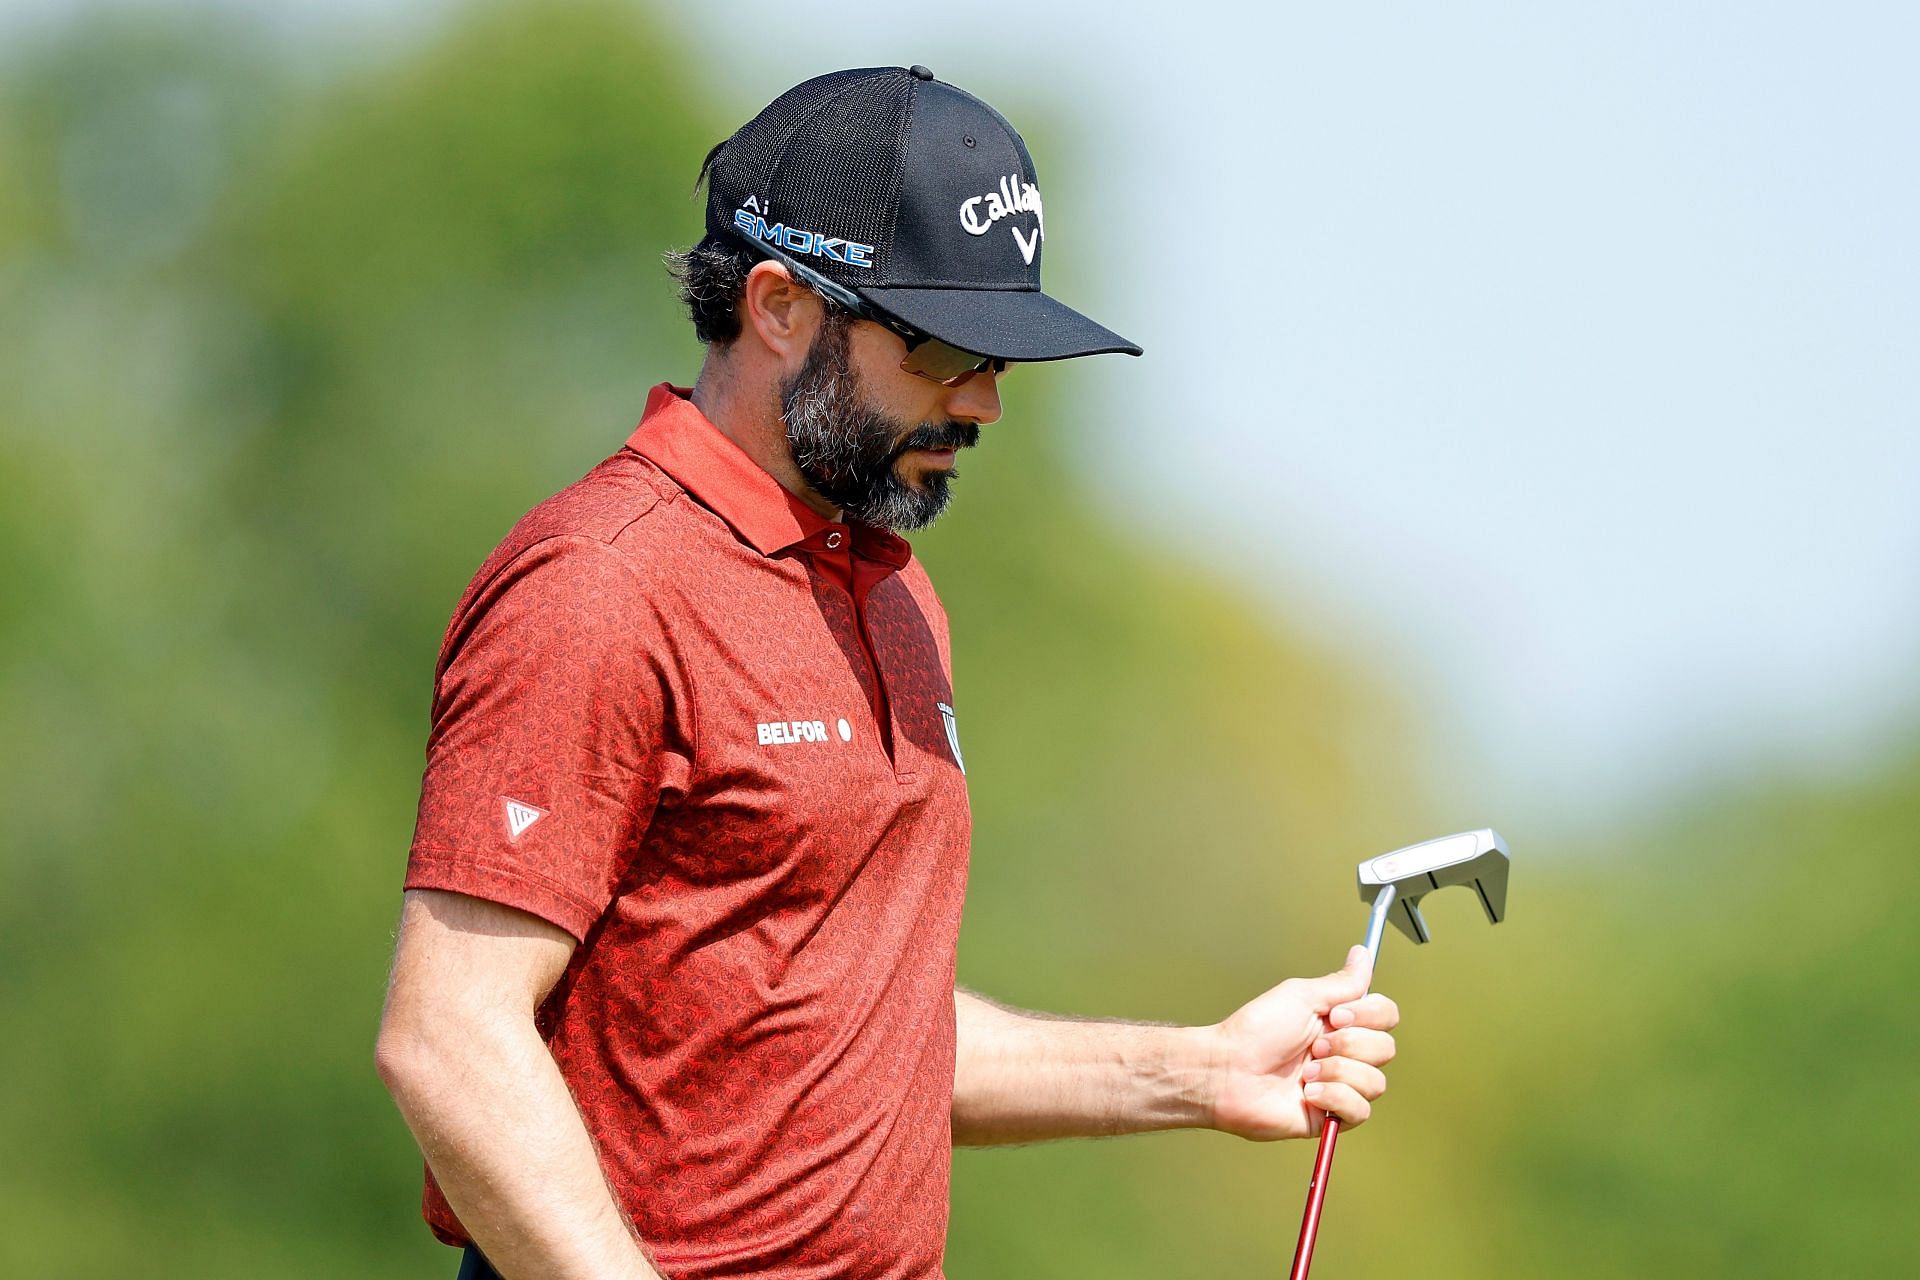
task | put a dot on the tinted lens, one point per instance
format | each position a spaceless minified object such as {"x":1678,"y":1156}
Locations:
{"x":935,"y":359}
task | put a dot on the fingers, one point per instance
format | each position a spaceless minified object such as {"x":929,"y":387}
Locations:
{"x":1376,"y":1048}
{"x":1364,"y":1079}
{"x":1345,"y":1087}
{"x":1341,"y":1100}
{"x":1345,"y":1077}
{"x":1374,"y":1010}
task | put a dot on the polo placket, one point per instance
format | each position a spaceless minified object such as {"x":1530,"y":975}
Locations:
{"x":832,"y":554}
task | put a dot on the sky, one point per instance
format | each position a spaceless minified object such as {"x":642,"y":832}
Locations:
{"x":1560,"y":358}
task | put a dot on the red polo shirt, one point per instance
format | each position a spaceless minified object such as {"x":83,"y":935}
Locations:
{"x":710,"y":734}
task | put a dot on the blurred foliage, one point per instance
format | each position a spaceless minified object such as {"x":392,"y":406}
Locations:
{"x":284,"y":359}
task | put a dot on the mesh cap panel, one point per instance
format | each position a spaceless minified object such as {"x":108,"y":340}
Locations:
{"x":823,"y":157}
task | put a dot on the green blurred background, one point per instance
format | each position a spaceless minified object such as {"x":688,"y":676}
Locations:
{"x":286,"y":344}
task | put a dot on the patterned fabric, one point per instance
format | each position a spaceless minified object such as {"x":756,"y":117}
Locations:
{"x":699,"y":727}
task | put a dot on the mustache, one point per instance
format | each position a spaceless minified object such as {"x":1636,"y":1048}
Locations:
{"x":943,"y":435}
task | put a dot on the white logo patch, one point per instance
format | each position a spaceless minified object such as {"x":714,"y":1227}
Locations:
{"x":953,"y":735}
{"x":1013,"y":196}
{"x":520,"y":816}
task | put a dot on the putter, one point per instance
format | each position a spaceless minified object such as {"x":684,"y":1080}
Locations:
{"x":1393,"y":885}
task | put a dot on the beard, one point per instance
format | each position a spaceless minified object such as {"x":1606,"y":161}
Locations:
{"x":848,"y":450}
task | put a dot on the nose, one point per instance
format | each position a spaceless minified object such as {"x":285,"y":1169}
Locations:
{"x":977,"y":399}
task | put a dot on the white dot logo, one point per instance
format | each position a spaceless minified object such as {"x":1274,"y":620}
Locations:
{"x":846,"y":731}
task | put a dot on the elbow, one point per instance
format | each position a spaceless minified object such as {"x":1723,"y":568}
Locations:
{"x":392,"y":1060}
{"x":403,"y":1057}
{"x":425,"y":1045}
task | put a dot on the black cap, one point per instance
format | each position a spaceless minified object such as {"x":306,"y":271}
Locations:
{"x":916,"y":195}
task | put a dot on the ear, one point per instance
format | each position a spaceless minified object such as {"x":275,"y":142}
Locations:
{"x":782,"y":314}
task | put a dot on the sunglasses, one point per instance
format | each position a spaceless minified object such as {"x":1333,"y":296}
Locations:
{"x":927,"y":356}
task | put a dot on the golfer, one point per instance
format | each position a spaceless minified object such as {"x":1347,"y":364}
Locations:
{"x":674,"y":986}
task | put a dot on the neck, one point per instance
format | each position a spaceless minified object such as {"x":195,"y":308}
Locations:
{"x":745,"y":408}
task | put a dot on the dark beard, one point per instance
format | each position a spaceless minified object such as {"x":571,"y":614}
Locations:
{"x":846,"y":449}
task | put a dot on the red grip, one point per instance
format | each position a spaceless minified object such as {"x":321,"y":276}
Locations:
{"x":1316,"y":1196}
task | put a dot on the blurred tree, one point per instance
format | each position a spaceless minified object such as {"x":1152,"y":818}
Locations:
{"x":286,"y":358}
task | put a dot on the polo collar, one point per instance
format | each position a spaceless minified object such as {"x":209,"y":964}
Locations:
{"x":679,"y":439}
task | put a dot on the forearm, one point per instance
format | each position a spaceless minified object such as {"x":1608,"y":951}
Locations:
{"x":1022,"y":1077}
{"x":500,"y":1131}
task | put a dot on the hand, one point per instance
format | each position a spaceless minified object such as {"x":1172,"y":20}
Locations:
{"x":1308,"y":1047}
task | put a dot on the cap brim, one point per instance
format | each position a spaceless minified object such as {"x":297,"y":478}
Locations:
{"x":1007,"y":324}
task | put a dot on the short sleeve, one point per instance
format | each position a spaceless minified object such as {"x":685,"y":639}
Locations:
{"x":555,"y":735}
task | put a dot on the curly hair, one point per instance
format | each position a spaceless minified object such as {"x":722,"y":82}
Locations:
{"x":713,"y":277}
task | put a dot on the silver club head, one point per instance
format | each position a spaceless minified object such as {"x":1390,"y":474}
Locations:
{"x":1476,"y":858}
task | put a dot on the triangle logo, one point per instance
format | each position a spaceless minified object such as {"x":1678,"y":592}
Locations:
{"x":520,"y":816}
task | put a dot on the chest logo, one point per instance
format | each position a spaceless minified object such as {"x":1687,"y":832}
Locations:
{"x":776,"y":732}
{"x":520,"y":816}
{"x":953,"y":735}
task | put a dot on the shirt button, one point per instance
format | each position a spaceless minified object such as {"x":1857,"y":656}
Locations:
{"x":833,"y":540}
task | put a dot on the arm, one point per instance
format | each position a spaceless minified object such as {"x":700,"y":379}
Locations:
{"x":1271,"y":1070}
{"x":1027,"y":1077}
{"x":459,"y":1051}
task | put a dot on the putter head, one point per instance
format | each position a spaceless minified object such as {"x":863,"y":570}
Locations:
{"x":1476,"y":858}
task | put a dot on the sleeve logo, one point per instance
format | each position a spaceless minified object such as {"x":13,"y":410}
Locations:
{"x":520,"y":816}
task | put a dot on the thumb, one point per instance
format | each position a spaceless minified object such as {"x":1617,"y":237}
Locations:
{"x":1349,"y":982}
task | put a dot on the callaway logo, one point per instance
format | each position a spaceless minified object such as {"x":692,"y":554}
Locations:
{"x":750,"y":218}
{"x":1013,"y":196}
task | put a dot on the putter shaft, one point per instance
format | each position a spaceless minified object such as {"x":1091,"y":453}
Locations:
{"x":1330,"y":1131}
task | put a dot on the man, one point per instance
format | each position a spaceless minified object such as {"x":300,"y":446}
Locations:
{"x":674,"y":986}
